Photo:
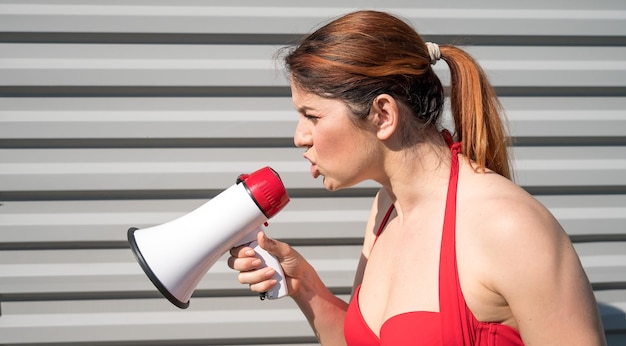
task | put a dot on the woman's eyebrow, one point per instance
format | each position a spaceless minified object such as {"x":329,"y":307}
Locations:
{"x":303,"y":109}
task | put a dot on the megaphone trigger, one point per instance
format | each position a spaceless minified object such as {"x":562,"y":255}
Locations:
{"x":267,"y":259}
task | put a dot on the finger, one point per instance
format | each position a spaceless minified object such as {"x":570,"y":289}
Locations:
{"x":264,"y":286}
{"x":244,"y":264}
{"x":242,"y":251}
{"x":256,"y":276}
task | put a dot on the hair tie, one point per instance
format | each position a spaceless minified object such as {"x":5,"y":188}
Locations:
{"x":433,"y":52}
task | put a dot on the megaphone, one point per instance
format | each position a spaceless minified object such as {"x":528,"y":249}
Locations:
{"x":177,"y":254}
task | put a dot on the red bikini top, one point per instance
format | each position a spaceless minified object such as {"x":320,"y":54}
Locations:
{"x":454,"y":324}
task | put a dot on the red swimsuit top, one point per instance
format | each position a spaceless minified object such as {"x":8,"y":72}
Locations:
{"x":454,"y":324}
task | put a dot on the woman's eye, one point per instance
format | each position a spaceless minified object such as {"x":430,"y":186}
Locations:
{"x":311,"y":117}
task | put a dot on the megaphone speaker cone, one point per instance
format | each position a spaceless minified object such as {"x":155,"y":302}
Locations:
{"x":151,"y":275}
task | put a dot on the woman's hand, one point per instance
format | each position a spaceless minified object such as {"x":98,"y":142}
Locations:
{"x":260,"y":279}
{"x":324,"y":311}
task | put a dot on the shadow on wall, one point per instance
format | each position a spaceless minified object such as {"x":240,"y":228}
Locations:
{"x":614,"y":321}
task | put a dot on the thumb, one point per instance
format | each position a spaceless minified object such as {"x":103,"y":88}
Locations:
{"x":274,"y":247}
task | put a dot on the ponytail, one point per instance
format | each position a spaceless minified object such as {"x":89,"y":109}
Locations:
{"x":476,"y":112}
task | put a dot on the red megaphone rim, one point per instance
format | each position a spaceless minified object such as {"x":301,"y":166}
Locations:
{"x":266,"y":189}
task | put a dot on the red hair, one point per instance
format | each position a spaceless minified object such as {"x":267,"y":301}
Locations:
{"x":367,"y":53}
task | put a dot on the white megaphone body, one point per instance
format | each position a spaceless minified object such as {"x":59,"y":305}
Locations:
{"x":177,"y":254}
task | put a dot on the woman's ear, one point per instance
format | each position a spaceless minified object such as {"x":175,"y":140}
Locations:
{"x":385,"y":116}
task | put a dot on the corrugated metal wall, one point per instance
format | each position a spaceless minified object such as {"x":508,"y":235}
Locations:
{"x":119,"y":113}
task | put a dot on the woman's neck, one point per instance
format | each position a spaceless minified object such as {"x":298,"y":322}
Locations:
{"x":417,"y":174}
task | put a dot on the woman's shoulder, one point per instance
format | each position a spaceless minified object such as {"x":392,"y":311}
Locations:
{"x":504,"y":230}
{"x":502,"y":210}
{"x":502,"y":226}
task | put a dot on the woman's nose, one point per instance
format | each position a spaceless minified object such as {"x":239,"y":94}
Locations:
{"x":302,"y":136}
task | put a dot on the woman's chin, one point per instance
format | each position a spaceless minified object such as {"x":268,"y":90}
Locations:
{"x":328,"y":184}
{"x":332,"y":185}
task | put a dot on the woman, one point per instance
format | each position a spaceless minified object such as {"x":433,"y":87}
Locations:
{"x":454,"y":252}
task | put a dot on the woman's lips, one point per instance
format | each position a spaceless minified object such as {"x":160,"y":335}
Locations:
{"x":314,"y":172}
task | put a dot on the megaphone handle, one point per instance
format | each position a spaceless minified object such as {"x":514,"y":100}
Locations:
{"x":280,"y":290}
